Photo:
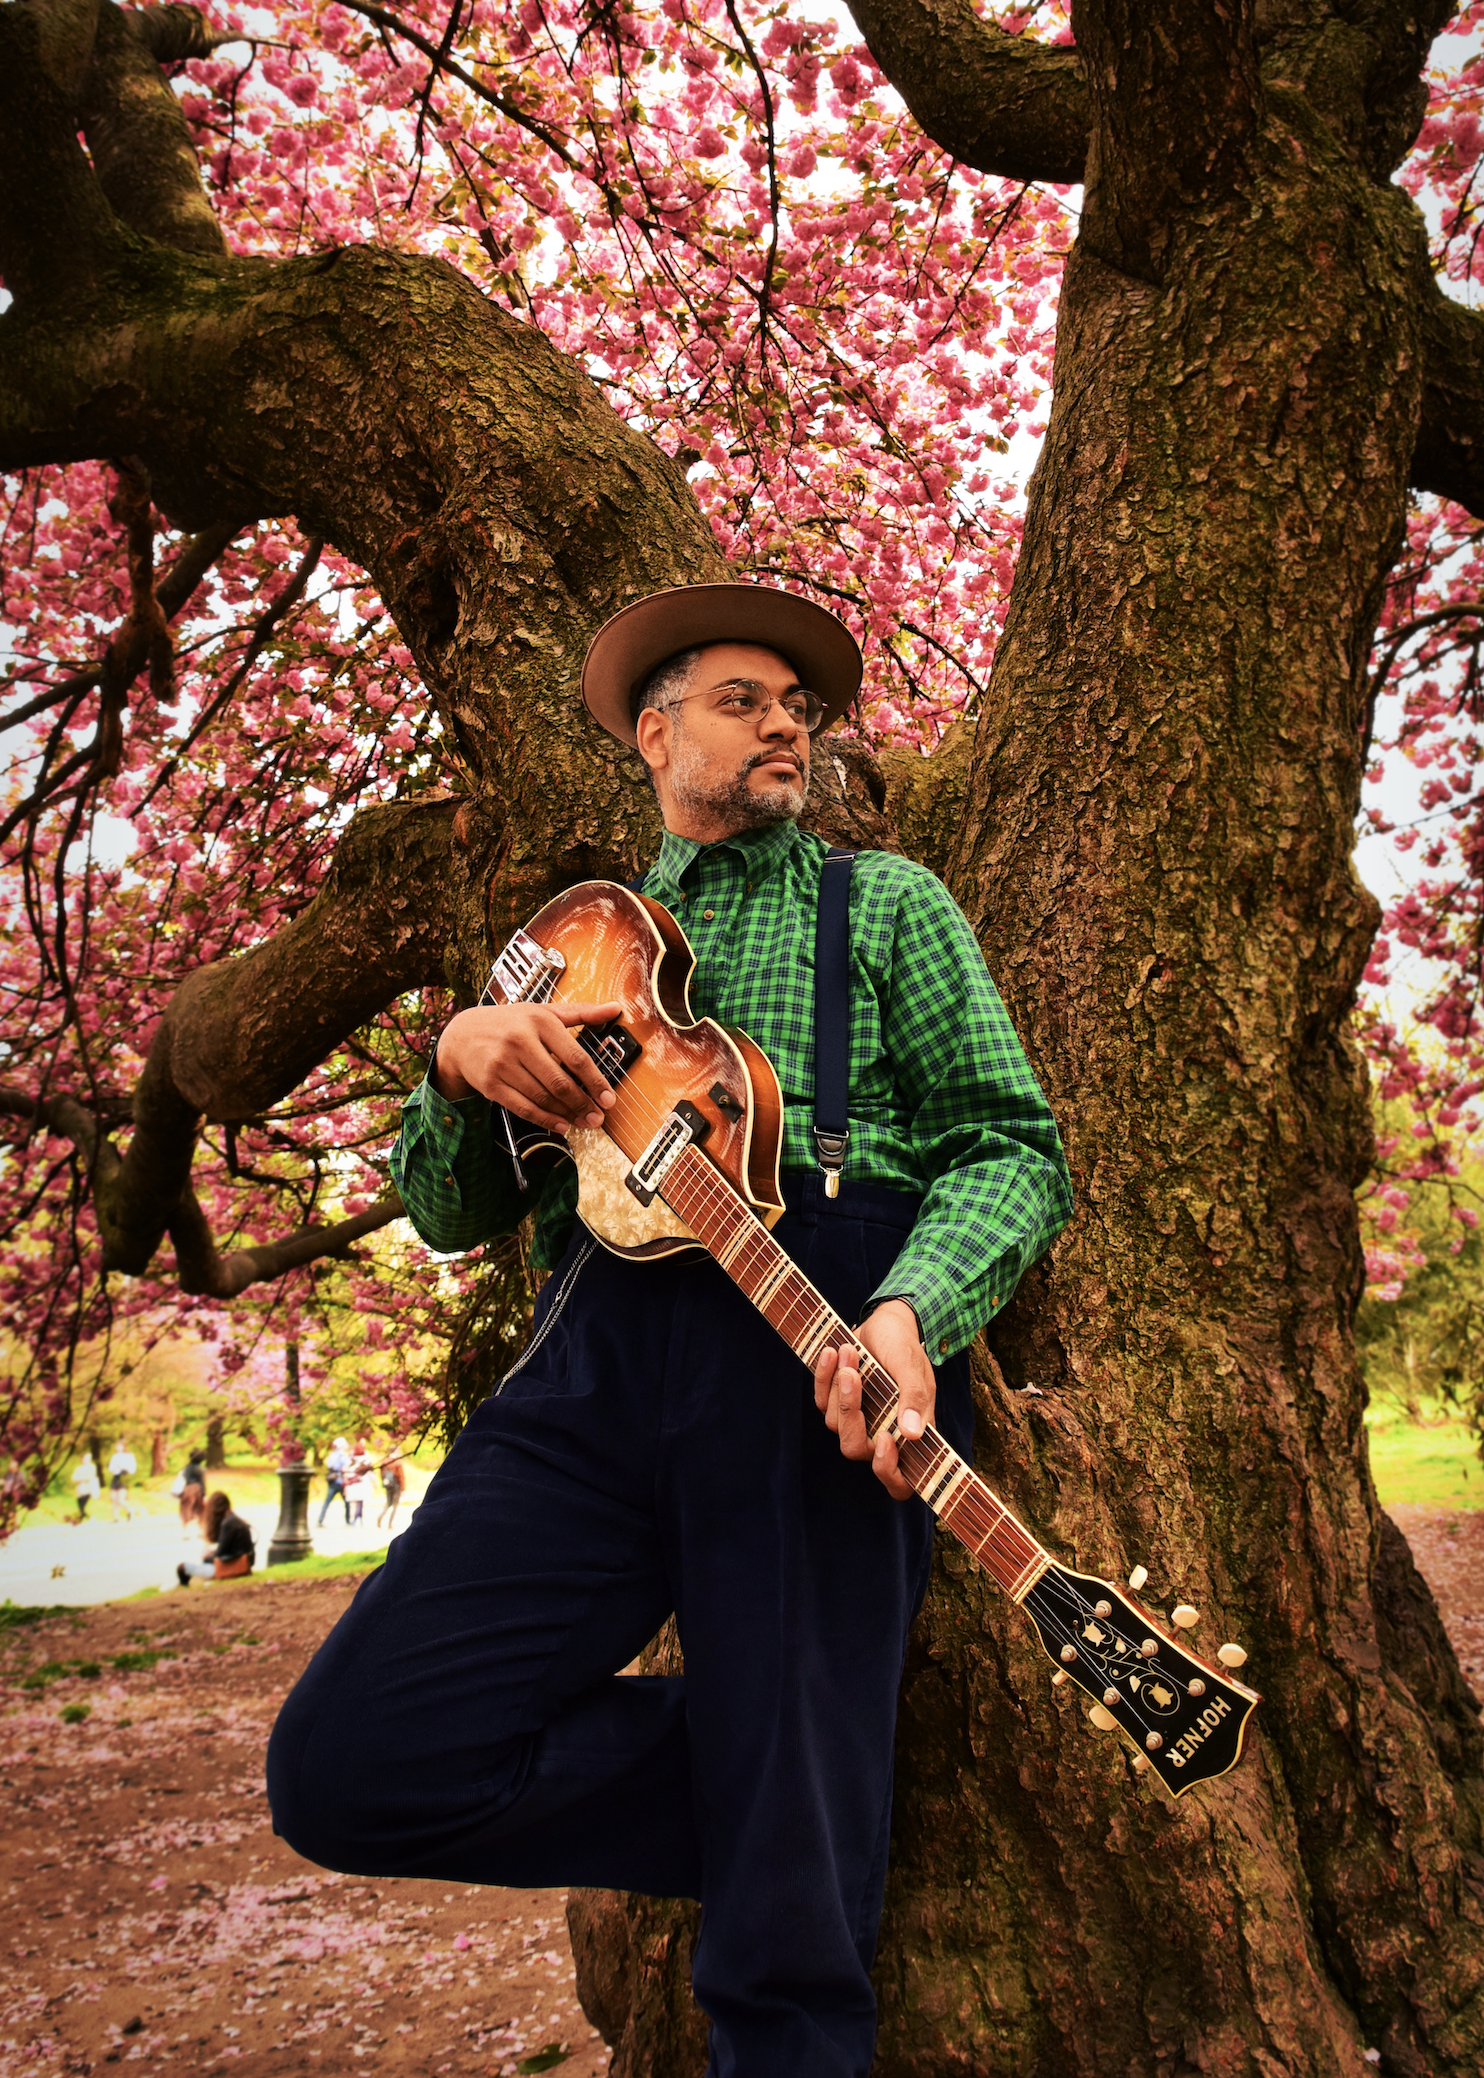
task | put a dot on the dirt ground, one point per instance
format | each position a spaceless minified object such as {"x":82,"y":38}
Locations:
{"x":151,"y":1917}
{"x":1448,"y":1546}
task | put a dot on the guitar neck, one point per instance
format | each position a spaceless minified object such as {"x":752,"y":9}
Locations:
{"x":739,"y":1241}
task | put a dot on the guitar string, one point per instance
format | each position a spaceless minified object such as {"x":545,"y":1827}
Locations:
{"x":993,"y":1533}
{"x":1042,"y":1593}
{"x":974,"y":1500}
{"x":999,"y":1532}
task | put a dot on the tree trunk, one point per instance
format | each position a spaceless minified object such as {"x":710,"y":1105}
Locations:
{"x":1154,"y":845}
{"x":1157,"y":856}
{"x":159,"y":1453}
{"x":216,"y":1444}
{"x":1155,"y":851}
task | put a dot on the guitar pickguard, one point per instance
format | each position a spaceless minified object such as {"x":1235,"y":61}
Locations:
{"x":609,"y":1209}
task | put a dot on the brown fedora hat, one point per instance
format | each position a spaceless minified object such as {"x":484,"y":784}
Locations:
{"x":627,"y":648}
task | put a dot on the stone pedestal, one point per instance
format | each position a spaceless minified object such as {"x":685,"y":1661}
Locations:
{"x":291,"y":1539}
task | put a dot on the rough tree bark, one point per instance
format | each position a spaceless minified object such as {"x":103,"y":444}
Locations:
{"x":500,"y":506}
{"x":1252,"y":364}
{"x":1152,"y":832}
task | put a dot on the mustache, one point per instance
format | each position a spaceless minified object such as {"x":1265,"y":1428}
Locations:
{"x":767,"y":757}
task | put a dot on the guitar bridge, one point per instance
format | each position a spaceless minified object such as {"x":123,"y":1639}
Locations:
{"x":524,"y":968}
{"x":684,"y":1127}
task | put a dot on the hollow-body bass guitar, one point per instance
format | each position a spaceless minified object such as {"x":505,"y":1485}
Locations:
{"x":687,"y":1159}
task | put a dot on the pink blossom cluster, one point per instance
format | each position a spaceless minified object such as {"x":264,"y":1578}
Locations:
{"x":721,"y":210}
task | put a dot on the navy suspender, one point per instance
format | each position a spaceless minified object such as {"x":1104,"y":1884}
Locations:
{"x":832,"y":1017}
{"x":831,"y":1014}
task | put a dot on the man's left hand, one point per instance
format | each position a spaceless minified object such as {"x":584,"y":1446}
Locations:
{"x":890,"y":1334}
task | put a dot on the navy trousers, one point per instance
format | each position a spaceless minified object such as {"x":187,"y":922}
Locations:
{"x":656,"y":1449}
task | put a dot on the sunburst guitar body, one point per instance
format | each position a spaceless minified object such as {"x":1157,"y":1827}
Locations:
{"x":687,"y":1159}
{"x":615,"y":946}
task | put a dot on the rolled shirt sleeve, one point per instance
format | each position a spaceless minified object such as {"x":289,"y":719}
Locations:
{"x":455,"y":1176}
{"x":982,"y":1134}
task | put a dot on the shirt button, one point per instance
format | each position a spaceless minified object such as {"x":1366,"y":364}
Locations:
{"x":448,"y":1118}
{"x":943,"y":1347}
{"x":448,"y":1179}
{"x":708,"y":914}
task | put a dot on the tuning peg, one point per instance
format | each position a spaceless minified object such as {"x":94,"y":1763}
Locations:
{"x":1060,"y":1678}
{"x":1138,"y":1576}
{"x":1231,"y":1655}
{"x":1103,"y":1719}
{"x":1186,"y":1617}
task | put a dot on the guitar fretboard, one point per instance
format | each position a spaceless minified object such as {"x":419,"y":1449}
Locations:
{"x":739,"y":1241}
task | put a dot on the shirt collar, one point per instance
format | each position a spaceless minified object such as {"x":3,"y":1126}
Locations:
{"x":759,"y":851}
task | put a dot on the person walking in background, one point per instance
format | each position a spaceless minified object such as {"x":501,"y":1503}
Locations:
{"x":359,"y":1489}
{"x":228,"y":1552}
{"x":190,"y":1490}
{"x":337,"y":1464}
{"x":86,"y":1484}
{"x":393,"y":1486}
{"x":121,"y":1469}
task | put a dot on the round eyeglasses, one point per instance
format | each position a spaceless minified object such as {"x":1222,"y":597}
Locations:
{"x":749,"y":704}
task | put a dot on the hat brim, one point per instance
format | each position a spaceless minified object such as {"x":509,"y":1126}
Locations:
{"x":627,"y":648}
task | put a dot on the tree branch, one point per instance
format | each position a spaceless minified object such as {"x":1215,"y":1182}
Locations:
{"x":1175,"y":93}
{"x":203,"y":1273}
{"x":171,"y":34}
{"x":206,"y":1274}
{"x":237,"y":1036}
{"x":57,"y":232}
{"x":1003,"y":104}
{"x":1449,"y":456}
{"x":141,"y":148}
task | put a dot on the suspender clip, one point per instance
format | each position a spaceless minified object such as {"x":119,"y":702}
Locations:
{"x":830,"y":1148}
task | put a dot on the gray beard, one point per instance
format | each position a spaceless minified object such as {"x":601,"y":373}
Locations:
{"x":732,"y":798}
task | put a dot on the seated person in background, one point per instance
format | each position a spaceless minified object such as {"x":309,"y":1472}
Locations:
{"x":228,"y":1552}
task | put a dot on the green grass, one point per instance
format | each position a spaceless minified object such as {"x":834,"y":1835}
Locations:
{"x":14,"y":1614}
{"x":300,"y":1569}
{"x":1433,"y":1463}
{"x":322,"y":1568}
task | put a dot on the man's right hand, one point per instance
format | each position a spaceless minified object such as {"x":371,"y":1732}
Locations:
{"x":524,"y":1056}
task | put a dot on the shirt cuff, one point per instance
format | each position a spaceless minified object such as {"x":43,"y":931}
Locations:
{"x":443,"y":1120}
{"x":944,"y":1326}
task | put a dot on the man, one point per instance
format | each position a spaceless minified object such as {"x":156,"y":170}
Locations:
{"x":658,"y":1448}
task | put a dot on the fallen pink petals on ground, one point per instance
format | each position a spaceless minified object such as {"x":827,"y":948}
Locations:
{"x":151,"y":1918}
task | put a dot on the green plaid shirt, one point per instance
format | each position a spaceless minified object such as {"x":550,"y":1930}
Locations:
{"x":942,"y":1099}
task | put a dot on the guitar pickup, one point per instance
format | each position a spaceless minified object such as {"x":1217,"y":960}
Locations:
{"x":614,"y":1049}
{"x":684,"y":1127}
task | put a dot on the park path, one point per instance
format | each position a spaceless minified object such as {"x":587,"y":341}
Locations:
{"x":150,"y":1917}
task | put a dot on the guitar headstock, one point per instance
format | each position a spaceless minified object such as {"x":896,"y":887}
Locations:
{"x":1185,"y":1717}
